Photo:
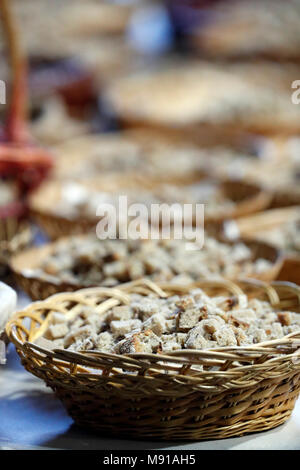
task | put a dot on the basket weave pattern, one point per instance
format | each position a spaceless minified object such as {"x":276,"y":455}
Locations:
{"x":240,"y":390}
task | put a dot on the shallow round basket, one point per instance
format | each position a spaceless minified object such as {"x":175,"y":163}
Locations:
{"x":39,"y":288}
{"x":209,"y":133}
{"x":241,"y":389}
{"x":203,"y":135}
{"x":248,"y":198}
{"x":142,"y":99}
{"x":89,"y":155}
{"x":43,"y":203}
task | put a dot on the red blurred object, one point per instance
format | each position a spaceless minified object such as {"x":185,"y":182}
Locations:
{"x":21,"y":161}
{"x":28,"y":164}
{"x":16,"y":209}
{"x":79,"y":95}
{"x":65,"y":76}
{"x":20,"y":158}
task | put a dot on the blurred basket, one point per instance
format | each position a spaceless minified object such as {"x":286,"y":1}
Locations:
{"x":27,"y":164}
{"x":15,"y":232}
{"x":290,"y":270}
{"x":286,"y":197}
{"x":43,"y":203}
{"x":256,"y":225}
{"x":241,"y":389}
{"x":142,"y":99}
{"x":39,"y":288}
{"x":248,"y":198}
{"x":89,"y":155}
{"x":203,"y":135}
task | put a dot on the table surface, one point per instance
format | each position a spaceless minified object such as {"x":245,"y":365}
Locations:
{"x":32,"y":417}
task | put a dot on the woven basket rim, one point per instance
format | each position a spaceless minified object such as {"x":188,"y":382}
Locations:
{"x":229,"y":130}
{"x":274,"y":347}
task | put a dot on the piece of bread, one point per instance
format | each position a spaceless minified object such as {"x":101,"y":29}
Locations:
{"x":159,"y":325}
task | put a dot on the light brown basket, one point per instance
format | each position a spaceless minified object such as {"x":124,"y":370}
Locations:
{"x":203,"y":134}
{"x":279,"y":122}
{"x":248,"y":198}
{"x":38,"y":288}
{"x":73,"y":153}
{"x":241,"y":389}
{"x":47,"y":198}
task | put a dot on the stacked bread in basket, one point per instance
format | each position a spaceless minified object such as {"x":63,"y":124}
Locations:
{"x":163,"y":336}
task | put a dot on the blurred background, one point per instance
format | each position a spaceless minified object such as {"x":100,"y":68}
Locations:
{"x":163,"y":90}
{"x":76,"y":50}
{"x":165,"y":101}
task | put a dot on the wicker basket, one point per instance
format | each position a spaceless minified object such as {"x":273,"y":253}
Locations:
{"x":39,"y":289}
{"x":122,"y":95}
{"x":72,"y":154}
{"x":44,"y":201}
{"x":248,"y":198}
{"x":204,"y":135}
{"x":241,"y":389}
